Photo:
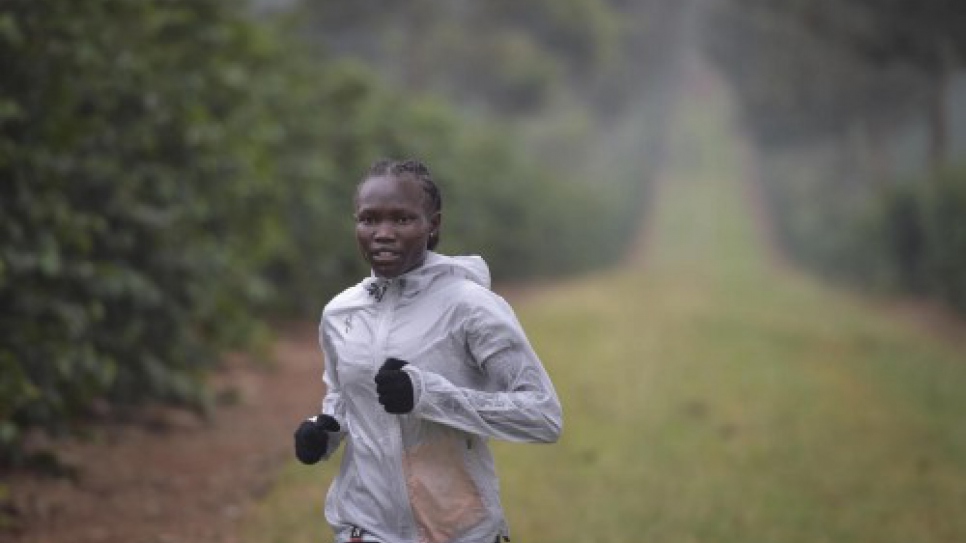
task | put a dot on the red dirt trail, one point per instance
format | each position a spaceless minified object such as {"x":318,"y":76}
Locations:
{"x":174,"y":478}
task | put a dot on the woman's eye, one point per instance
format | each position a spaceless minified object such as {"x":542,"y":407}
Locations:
{"x":404,"y":220}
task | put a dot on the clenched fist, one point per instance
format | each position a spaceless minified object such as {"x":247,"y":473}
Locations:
{"x":394,"y":387}
{"x":312,"y":438}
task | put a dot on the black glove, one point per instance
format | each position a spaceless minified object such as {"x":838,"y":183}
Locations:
{"x":394,"y":387}
{"x":312,"y":438}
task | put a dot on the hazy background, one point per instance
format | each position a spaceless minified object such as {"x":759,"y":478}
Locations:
{"x":175,"y":175}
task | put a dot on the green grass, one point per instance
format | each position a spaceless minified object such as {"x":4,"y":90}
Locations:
{"x":711,"y":397}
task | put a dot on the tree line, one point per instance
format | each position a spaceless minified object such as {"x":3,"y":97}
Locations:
{"x":174,"y":174}
{"x":854,"y":109}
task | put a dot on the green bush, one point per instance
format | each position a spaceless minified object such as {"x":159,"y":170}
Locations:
{"x":923,"y":230}
{"x":902,"y":235}
{"x":909,"y":237}
{"x":127,"y":171}
{"x":944,"y":232}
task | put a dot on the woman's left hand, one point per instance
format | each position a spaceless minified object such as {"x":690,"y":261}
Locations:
{"x":395,"y":388}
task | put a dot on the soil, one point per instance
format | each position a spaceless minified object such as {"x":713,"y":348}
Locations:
{"x":171,"y":476}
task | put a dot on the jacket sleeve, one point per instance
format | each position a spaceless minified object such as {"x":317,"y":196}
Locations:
{"x":333,"y":403}
{"x":519,"y":403}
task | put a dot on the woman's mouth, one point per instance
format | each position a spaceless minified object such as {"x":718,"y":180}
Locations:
{"x":384,"y":256}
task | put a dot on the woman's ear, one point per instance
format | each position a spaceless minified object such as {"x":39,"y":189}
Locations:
{"x":436,"y":221}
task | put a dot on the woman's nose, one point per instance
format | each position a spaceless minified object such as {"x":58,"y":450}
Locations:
{"x":385,"y":230}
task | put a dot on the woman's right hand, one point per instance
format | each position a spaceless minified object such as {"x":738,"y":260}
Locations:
{"x":312,"y":438}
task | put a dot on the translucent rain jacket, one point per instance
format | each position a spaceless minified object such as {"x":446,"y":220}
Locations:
{"x":428,"y":476}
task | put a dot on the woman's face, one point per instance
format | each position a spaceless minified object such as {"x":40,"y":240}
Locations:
{"x":393,"y":224}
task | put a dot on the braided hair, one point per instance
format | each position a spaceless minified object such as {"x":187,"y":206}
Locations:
{"x":418,"y":171}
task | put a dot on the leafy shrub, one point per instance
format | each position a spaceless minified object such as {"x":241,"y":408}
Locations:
{"x":911,"y":236}
{"x":130,"y":169}
{"x":944,"y":233}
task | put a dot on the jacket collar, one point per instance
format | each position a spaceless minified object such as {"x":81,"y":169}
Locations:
{"x":436,"y":266}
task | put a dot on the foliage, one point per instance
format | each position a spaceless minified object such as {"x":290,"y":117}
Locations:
{"x":849,"y":102}
{"x":552,"y":79}
{"x":924,"y":33}
{"x":175,"y":173}
{"x":797,"y":86}
{"x":821,"y":218}
{"x":924,"y":233}
{"x":135,"y":203}
{"x":503,"y":57}
{"x":905,"y":236}
{"x":126,"y":173}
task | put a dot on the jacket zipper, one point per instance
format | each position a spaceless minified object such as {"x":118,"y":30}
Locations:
{"x":386,"y":314}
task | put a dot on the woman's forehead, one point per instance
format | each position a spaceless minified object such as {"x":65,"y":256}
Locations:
{"x":390,"y":192}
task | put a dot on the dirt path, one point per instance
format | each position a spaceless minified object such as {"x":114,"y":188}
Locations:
{"x":177,"y":478}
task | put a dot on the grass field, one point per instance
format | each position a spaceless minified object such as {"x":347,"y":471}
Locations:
{"x":711,"y":396}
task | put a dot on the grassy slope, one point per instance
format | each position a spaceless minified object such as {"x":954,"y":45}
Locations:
{"x":710,"y":397}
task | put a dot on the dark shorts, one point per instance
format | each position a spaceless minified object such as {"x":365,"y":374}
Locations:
{"x":360,"y":536}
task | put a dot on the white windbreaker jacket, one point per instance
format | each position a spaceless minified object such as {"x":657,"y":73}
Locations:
{"x":428,"y":476}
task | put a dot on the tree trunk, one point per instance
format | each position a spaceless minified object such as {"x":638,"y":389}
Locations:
{"x":939,"y":111}
{"x":937,"y":122}
{"x":876,"y":162}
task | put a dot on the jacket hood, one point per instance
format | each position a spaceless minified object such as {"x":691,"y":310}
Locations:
{"x":471,"y":267}
{"x":435,"y":267}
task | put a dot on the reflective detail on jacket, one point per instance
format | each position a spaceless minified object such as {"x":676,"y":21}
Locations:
{"x":428,"y":476}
